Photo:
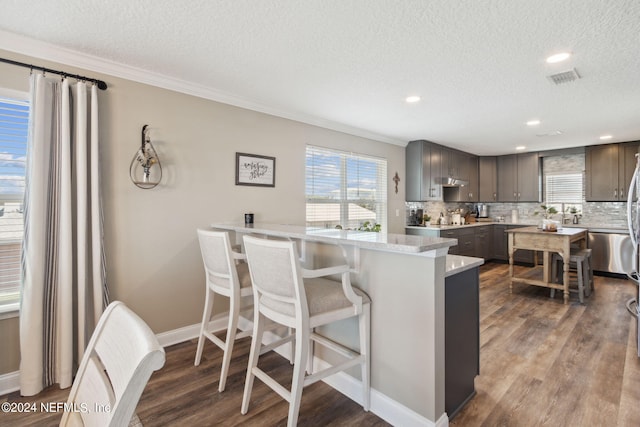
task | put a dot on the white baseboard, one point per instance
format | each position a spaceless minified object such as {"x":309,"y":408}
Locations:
{"x":9,"y":382}
{"x":381,"y":405}
{"x":190,"y":332}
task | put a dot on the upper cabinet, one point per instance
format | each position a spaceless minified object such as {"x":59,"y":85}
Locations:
{"x":488,"y":176}
{"x":423,"y":165}
{"x":518,"y":178}
{"x":609,"y":169}
{"x":464,"y":167}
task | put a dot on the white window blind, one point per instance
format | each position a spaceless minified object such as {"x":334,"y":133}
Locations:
{"x":14,"y":121}
{"x":564,"y":189}
{"x":345,"y":189}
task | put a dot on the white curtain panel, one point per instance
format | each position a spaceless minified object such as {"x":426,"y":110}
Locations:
{"x":63,"y":283}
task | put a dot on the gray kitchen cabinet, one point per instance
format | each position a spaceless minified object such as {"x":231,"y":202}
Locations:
{"x":452,"y":234}
{"x":608,"y":171}
{"x":519,"y":178}
{"x":488,"y":176}
{"x":473,"y":190}
{"x":501,"y":245}
{"x":467,"y":170}
{"x":462,"y":166}
{"x":466,"y":240}
{"x":423,"y":168}
{"x":461,"y":338}
{"x":484,"y":242}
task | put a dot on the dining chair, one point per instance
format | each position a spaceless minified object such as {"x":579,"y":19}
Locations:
{"x":227,"y":276}
{"x":121,"y":355}
{"x":302,"y":299}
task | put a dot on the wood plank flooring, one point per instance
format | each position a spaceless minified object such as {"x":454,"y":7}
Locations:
{"x":542,"y":364}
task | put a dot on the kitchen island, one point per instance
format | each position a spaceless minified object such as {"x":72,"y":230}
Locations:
{"x":547,"y":242}
{"x":405,"y":278}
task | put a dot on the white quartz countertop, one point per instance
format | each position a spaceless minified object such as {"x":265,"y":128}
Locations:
{"x":368,"y":240}
{"x":451,"y":227}
{"x":458,"y":263}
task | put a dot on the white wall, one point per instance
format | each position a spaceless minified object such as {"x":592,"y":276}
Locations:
{"x":153,"y":260}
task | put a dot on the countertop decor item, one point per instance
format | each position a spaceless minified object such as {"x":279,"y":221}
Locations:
{"x":256,"y":170}
{"x":145,"y":169}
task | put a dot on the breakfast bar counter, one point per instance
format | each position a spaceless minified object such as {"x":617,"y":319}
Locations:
{"x":405,"y":278}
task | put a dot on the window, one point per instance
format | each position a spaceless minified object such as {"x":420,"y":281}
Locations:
{"x":14,"y":121}
{"x":564,"y":191}
{"x":345,"y":189}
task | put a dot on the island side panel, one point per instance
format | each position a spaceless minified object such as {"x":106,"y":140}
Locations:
{"x":407,"y":324}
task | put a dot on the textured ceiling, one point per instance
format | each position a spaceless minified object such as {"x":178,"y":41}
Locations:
{"x":478,"y":65}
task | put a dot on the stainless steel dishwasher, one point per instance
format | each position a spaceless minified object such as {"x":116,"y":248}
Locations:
{"x":611,"y":251}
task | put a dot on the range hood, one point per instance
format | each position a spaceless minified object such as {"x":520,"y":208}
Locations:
{"x":452,"y":182}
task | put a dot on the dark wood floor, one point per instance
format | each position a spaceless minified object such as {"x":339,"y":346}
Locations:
{"x":542,"y":363}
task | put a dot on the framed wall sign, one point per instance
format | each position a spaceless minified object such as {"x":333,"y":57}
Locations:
{"x":252,"y":169}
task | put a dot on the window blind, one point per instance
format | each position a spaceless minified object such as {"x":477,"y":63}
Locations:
{"x":564,"y":188}
{"x":345,"y":189}
{"x":14,"y":121}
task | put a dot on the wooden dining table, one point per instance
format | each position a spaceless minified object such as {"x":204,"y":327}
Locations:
{"x":547,"y":242}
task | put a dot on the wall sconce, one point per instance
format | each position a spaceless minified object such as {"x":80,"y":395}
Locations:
{"x":145,"y":169}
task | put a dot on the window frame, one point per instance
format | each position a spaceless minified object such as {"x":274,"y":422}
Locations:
{"x":561,"y":206}
{"x":344,"y":199}
{"x":10,"y":307}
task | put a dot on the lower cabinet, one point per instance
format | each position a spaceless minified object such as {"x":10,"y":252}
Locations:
{"x":462,"y":338}
{"x":484,"y":242}
{"x":489,"y":242}
{"x":501,"y":245}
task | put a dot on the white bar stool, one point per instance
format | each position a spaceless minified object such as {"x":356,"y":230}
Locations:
{"x":224,"y":276}
{"x":281,"y":293}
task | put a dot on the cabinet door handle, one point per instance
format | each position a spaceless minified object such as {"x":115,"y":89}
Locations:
{"x":621,"y":191}
{"x":518,"y":196}
{"x":615,"y":193}
{"x":495,"y":196}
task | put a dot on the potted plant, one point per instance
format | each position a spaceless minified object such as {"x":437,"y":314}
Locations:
{"x":427,"y":220}
{"x":369,"y":226}
{"x":547,"y":223}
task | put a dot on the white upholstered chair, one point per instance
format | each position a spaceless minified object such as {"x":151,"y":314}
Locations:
{"x":301,"y":299}
{"x":121,"y":355}
{"x":224,"y":276}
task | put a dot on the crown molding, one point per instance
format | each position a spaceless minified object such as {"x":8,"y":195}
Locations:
{"x":38,"y":49}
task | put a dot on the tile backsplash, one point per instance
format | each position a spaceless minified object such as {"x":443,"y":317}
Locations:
{"x":594,"y":214}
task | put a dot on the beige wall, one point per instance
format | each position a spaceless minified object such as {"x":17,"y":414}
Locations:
{"x":153,"y":260}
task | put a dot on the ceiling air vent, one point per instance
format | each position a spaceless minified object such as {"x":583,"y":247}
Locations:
{"x":564,"y":77}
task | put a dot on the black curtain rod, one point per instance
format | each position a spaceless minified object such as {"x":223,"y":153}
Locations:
{"x":101,"y":85}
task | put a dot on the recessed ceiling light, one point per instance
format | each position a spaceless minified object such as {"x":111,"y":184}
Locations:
{"x":606,"y":137}
{"x":558,"y":57}
{"x":521,"y":147}
{"x":412,"y":99}
{"x":533,"y":122}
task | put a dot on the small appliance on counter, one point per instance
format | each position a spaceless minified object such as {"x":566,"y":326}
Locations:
{"x":416,"y":217}
{"x":482,"y":210}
